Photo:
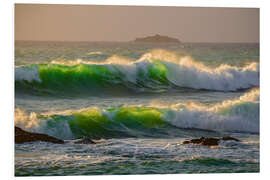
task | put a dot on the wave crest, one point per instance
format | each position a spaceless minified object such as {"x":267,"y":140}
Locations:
{"x":154,"y":71}
{"x":238,"y":115}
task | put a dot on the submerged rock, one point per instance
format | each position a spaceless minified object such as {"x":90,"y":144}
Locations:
{"x":209,"y":141}
{"x":22,"y":136}
{"x":85,"y":141}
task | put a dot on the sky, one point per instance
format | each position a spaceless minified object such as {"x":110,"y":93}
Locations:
{"x":124,"y":23}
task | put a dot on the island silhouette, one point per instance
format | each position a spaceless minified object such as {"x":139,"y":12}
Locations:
{"x":157,"y":39}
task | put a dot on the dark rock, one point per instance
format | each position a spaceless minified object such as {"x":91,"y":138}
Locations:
{"x":228,"y":138}
{"x":22,"y":136}
{"x":197,"y":141}
{"x":85,"y":141}
{"x":186,"y":142}
{"x":209,"y":141}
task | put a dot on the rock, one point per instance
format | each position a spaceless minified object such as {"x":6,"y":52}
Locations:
{"x":228,"y":138}
{"x":85,"y":141}
{"x":209,"y":141}
{"x":22,"y":136}
{"x":197,"y":141}
{"x":186,"y":142}
{"x":157,"y":39}
{"x":194,"y":141}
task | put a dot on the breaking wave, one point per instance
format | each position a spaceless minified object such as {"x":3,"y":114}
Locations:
{"x":155,"y":71}
{"x":237,"y":115}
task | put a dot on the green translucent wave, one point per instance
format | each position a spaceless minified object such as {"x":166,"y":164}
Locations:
{"x":149,"y":122}
{"x":93,"y":78}
{"x":115,"y":122}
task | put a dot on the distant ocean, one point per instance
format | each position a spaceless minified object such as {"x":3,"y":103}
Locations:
{"x":138,"y":102}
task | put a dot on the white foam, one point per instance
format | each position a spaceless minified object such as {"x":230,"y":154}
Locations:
{"x":186,"y":72}
{"x":26,"y":121}
{"x":238,"y":115}
{"x":32,"y":123}
{"x":27,"y":73}
{"x":191,"y":74}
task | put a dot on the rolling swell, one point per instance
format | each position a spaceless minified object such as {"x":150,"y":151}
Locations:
{"x":239,"y":115}
{"x":148,"y":74}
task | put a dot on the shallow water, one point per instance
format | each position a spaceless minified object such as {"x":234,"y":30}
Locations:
{"x":137,"y":156}
{"x":139,"y":102}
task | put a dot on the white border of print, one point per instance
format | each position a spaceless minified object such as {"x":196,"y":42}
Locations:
{"x":7,"y":83}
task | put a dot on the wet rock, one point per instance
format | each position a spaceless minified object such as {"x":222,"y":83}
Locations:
{"x":85,"y":141}
{"x":209,"y":141}
{"x":22,"y":136}
{"x":228,"y":138}
{"x":194,"y":141}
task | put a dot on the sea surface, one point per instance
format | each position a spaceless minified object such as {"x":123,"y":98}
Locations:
{"x":139,"y":102}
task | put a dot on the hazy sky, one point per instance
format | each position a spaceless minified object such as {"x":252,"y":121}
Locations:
{"x":124,"y":23}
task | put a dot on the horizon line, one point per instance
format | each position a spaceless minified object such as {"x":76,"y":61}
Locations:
{"x":132,"y":41}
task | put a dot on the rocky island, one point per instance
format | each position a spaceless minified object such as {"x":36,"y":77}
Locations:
{"x":157,"y":39}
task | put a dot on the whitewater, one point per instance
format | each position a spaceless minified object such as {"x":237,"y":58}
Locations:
{"x":138,"y":102}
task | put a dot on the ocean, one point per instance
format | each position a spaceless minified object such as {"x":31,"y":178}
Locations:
{"x":138,"y":102}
